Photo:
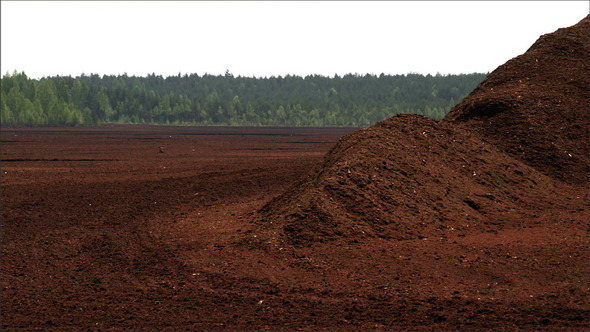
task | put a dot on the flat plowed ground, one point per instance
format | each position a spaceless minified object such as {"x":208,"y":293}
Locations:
{"x":102,"y":231}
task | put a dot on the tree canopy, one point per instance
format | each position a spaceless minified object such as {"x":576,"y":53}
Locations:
{"x":313,"y":100}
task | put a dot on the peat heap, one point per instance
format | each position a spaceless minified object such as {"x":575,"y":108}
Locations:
{"x":536,"y":106}
{"x":495,"y":161}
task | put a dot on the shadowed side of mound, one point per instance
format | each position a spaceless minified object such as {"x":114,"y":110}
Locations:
{"x":407,"y":177}
{"x":536,"y":107}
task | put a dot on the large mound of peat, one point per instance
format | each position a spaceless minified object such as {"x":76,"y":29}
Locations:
{"x":536,"y":106}
{"x":498,"y":158}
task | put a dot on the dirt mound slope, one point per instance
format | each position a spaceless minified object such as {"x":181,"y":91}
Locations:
{"x":497,"y":159}
{"x":408,"y":177}
{"x":536,"y":106}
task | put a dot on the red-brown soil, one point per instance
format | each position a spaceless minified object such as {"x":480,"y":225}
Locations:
{"x":100,"y":231}
{"x":412,"y":224}
{"x":411,"y":177}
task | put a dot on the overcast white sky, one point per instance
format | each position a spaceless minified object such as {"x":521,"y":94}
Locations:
{"x":273,"y":37}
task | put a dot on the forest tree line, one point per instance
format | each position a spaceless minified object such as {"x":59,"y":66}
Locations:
{"x":314,"y":100}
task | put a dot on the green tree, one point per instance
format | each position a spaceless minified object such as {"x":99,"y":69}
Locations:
{"x":105,"y":110}
{"x":46,"y":96}
{"x":6,"y":115}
